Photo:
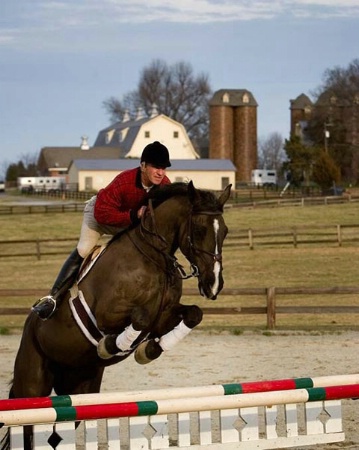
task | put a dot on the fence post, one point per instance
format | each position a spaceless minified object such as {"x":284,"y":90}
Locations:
{"x":295,"y":237}
{"x":271,"y":300}
{"x":38,"y":251}
{"x":250,"y":238}
{"x":339,"y":234}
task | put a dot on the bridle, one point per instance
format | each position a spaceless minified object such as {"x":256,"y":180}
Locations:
{"x":172,"y":264}
{"x":217,"y":257}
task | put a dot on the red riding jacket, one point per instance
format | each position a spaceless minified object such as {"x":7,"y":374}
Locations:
{"x":117,"y":204}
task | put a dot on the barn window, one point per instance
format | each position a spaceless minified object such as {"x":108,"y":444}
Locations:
{"x":225,"y":98}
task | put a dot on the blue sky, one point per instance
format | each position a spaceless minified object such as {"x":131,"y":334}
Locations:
{"x":59,"y":60}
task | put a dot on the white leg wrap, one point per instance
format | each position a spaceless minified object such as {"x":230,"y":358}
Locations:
{"x":127,"y":338}
{"x":172,"y":338}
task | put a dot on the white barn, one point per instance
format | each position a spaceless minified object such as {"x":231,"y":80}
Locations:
{"x":94,"y":174}
{"x":132,"y":135}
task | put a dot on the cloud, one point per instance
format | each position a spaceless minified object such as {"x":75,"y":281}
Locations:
{"x":39,"y":20}
{"x":142,"y":11}
{"x":199,"y":11}
{"x":6,"y":39}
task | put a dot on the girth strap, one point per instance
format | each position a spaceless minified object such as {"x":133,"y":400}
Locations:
{"x":85,"y":319}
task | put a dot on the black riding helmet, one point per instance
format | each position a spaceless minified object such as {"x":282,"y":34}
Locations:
{"x":156,"y":154}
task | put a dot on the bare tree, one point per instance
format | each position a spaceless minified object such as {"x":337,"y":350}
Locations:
{"x":342,"y":82}
{"x":271,"y":152}
{"x":176,"y":92}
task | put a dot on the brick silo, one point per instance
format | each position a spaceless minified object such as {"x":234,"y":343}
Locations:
{"x":233,"y":130}
{"x":221,"y":132}
{"x":245,"y":142}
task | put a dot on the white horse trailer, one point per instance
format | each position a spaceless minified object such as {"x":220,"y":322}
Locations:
{"x":263,"y":177}
{"x":41,"y":184}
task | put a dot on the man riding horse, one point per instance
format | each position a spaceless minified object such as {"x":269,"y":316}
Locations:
{"x":117,"y":206}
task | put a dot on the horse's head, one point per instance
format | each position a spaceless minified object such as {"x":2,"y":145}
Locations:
{"x":206,"y":232}
{"x":191,"y":219}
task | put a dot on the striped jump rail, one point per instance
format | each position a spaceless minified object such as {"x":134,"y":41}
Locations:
{"x":256,"y":419}
{"x":179,"y":392}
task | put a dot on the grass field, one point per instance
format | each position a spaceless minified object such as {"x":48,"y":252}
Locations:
{"x":314,"y":266}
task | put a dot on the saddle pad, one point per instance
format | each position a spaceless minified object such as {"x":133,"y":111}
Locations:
{"x":90,"y":260}
{"x":85,"y":319}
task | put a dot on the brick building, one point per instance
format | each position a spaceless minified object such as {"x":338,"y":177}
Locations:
{"x":300,"y":113}
{"x":334,"y":123}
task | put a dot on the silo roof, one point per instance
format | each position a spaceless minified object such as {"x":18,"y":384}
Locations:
{"x":233,"y":97}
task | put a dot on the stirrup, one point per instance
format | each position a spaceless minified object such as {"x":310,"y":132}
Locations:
{"x":45,"y":307}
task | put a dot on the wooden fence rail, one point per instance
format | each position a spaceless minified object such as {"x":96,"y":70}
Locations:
{"x":271,"y":200}
{"x":71,"y":201}
{"x":337,"y":235}
{"x":36,"y":247}
{"x":32,"y":208}
{"x":294,"y":236}
{"x":270,"y":308}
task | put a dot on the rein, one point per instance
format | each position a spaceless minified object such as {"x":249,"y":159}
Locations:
{"x":172,"y":260}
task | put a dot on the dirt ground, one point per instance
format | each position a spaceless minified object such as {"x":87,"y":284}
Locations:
{"x":204,"y":359}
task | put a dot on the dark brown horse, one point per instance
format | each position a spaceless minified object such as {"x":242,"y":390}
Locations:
{"x":134,"y":287}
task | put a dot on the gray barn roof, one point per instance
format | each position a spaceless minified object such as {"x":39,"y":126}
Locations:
{"x":177,"y":164}
{"x":125,"y":145}
{"x":62,"y":156}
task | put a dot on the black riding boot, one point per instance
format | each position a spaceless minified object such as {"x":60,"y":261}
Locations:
{"x":46,"y":306}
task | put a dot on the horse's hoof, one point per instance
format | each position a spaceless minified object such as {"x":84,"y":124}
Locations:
{"x":147,"y":351}
{"x":107,"y":348}
{"x":140,"y":318}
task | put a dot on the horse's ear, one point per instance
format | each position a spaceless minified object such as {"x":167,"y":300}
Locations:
{"x":225,"y":195}
{"x":192,"y":192}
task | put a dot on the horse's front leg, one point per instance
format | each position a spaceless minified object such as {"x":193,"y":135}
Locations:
{"x":122,"y":344}
{"x":187,"y":318}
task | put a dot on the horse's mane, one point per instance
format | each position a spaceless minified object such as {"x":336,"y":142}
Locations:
{"x":159,"y":194}
{"x":206,"y":200}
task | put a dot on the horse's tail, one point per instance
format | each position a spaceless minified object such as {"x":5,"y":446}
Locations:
{"x":5,"y":442}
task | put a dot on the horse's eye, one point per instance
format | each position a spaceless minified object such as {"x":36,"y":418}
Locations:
{"x":199,"y":232}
